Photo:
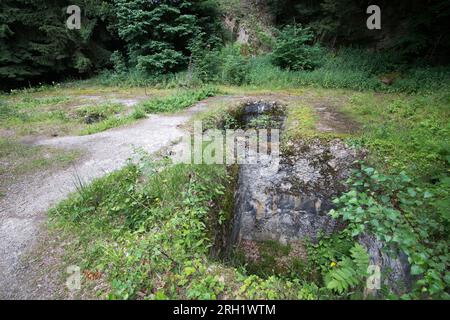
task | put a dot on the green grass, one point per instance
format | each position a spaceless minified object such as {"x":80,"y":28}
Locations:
{"x":18,"y":159}
{"x":218,"y":115}
{"x":270,"y":255}
{"x":178,"y":101}
{"x":301,"y":122}
{"x":158,"y":228}
{"x":407,"y":137}
{"x":38,"y":116}
{"x":152,"y":241}
{"x":149,"y":229}
{"x":349,"y":70}
{"x":28,"y":115}
{"x":96,"y":113}
{"x":55,"y":110}
{"x":403,"y":132}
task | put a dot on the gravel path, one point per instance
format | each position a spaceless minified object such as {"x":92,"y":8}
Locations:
{"x":23,"y":208}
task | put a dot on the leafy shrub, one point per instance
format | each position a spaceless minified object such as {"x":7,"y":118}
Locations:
{"x":401,"y":215}
{"x":293,"y":49}
{"x":118,"y":61}
{"x":37,"y":47}
{"x":157,"y":34}
{"x":234,"y":66}
{"x":108,"y":123}
{"x":262,"y":121}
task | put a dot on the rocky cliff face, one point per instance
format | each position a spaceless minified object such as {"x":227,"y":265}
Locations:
{"x":249,"y":22}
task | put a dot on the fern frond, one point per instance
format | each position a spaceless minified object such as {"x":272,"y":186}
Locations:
{"x":349,"y":272}
{"x":360,"y":257}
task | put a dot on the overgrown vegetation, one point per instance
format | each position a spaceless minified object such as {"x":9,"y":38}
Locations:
{"x":403,"y":216}
{"x":130,"y":220}
{"x":160,"y":235}
{"x":36,"y":46}
{"x":178,"y":101}
{"x":32,"y":113}
{"x":148,"y":230}
{"x":293,"y":49}
{"x":187,"y":35}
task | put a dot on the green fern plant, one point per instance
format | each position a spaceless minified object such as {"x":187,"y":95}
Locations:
{"x":349,"y":272}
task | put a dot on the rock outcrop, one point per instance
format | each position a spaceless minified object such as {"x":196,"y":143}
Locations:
{"x":289,"y":201}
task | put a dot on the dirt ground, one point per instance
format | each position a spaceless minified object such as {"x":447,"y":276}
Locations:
{"x":28,"y":254}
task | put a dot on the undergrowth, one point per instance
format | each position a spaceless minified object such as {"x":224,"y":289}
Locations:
{"x":150,"y":241}
{"x":107,"y":117}
{"x":177,"y":101}
{"x":404,"y":216}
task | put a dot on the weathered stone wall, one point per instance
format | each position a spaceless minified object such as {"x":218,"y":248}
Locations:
{"x":289,"y":201}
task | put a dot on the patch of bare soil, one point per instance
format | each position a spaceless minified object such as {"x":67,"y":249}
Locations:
{"x":331,"y":120}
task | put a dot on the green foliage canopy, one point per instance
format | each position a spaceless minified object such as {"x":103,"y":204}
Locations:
{"x":157,"y":34}
{"x":36,"y":45}
{"x":294,"y":50}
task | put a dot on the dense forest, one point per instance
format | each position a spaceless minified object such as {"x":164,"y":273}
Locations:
{"x":163,"y":37}
{"x":355,"y":106}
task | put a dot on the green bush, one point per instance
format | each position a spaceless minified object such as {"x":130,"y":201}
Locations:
{"x":161,"y":62}
{"x":157,"y":34}
{"x":293,"y":49}
{"x":401,"y":214}
{"x":205,"y":61}
{"x":234,"y":67}
{"x":118,"y":61}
